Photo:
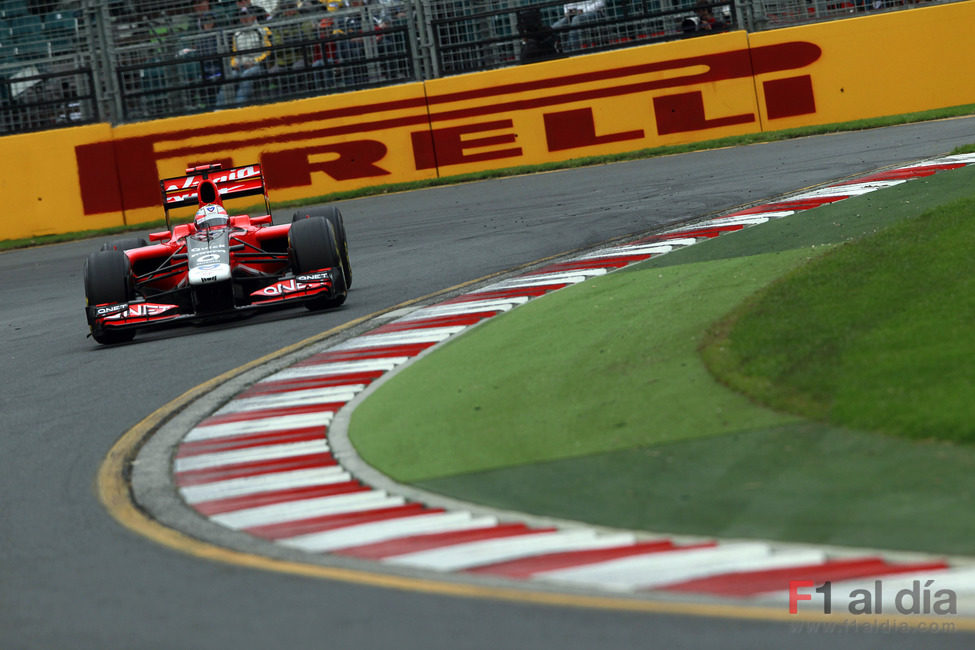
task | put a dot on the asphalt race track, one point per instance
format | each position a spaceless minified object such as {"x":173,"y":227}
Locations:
{"x":72,"y":577}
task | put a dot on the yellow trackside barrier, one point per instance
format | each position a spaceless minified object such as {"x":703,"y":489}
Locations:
{"x":40,"y":184}
{"x":616,"y":101}
{"x":887,"y":64}
{"x":308,"y":147}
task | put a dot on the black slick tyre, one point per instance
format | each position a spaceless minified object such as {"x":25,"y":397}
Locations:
{"x":332,"y":214}
{"x":108,"y":280}
{"x":312,"y":246}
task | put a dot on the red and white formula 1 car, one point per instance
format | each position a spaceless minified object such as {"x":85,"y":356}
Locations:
{"x":217,"y":264}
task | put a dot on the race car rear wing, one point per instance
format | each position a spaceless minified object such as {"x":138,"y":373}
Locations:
{"x":216,"y":185}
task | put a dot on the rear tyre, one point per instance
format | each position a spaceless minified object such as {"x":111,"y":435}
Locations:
{"x":108,"y":280}
{"x":312,"y":246}
{"x":331,"y":214}
{"x":124,"y":244}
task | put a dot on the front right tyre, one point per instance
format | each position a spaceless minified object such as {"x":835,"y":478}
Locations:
{"x":332,"y":214}
{"x":312,"y":246}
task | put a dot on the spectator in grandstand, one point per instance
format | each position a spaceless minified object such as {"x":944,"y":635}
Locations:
{"x":224,"y":12}
{"x":354,"y":50}
{"x":259,"y":11}
{"x":538,"y":41}
{"x":315,"y":5}
{"x":207,"y":43}
{"x":325,"y":54}
{"x":390,"y":14}
{"x":290,"y":28}
{"x":203,"y":46}
{"x":704,"y":22}
{"x":345,"y":55}
{"x":250,"y":43}
{"x":577,"y":15}
{"x":200,"y":9}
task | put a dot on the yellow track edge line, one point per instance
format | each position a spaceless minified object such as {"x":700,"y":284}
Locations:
{"x":113,"y":490}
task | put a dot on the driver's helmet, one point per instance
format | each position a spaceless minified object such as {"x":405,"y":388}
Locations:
{"x":211,"y":216}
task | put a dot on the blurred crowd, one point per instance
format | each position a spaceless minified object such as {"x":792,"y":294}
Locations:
{"x":309,"y":46}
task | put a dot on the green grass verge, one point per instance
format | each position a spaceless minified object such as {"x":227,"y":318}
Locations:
{"x":797,"y":483}
{"x":593,"y":404}
{"x":772,"y":136}
{"x":617,"y":370}
{"x":874,"y":336}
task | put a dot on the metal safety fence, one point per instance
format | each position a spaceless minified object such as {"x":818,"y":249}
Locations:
{"x":70,"y":62}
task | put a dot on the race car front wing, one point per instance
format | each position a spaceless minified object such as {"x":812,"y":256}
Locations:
{"x":292,"y":289}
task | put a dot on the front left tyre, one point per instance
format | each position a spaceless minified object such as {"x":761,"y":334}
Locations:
{"x":108,"y":280}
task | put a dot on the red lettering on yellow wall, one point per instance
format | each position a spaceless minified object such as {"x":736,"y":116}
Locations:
{"x":783,"y":56}
{"x":96,"y":166}
{"x":292,"y":167}
{"x":117,"y":175}
{"x":577,"y":128}
{"x":447,"y":146}
{"x":685,"y":112}
{"x":123,"y":174}
{"x":789,"y":97}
